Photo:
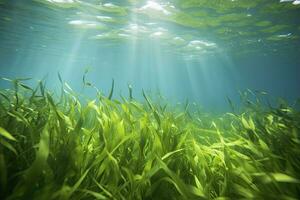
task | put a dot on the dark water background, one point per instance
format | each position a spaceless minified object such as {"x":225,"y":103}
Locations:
{"x":37,"y":40}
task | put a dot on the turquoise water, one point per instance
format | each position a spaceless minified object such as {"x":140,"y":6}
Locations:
{"x":200,"y":50}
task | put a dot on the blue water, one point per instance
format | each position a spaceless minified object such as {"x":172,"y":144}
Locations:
{"x":155,"y":46}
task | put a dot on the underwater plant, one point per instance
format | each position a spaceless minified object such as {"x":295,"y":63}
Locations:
{"x":66,"y":147}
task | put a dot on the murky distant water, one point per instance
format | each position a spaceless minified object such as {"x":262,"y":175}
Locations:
{"x":197,"y":50}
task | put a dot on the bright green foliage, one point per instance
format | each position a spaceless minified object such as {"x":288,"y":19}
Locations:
{"x":66,"y":148}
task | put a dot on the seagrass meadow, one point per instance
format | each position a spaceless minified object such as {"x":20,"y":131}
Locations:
{"x":58,"y":147}
{"x":149,"y":99}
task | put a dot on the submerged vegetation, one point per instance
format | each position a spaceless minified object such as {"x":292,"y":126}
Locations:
{"x":60,"y":147}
